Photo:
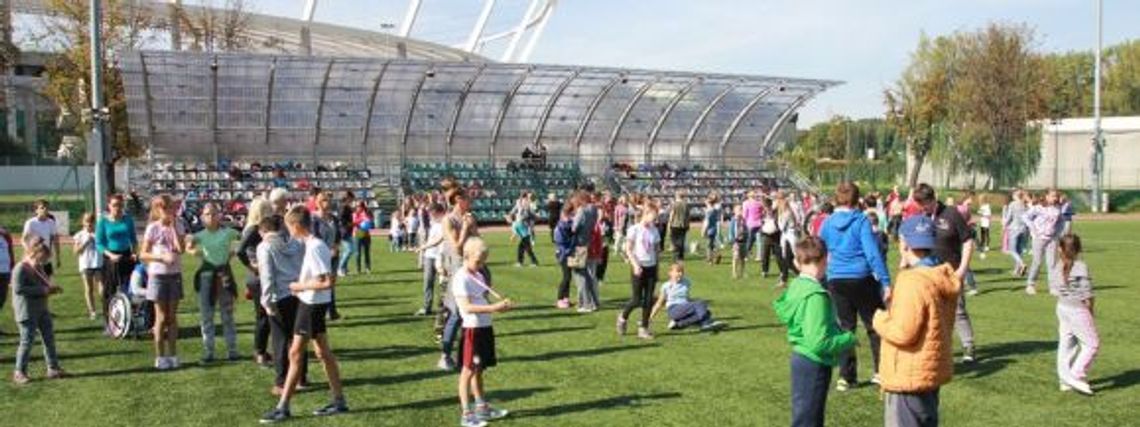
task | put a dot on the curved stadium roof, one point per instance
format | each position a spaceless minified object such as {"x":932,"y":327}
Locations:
{"x":390,"y":111}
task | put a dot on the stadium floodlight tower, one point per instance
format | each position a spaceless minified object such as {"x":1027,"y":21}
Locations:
{"x":1098,"y":202}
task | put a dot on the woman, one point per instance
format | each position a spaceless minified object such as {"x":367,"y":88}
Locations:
{"x":563,"y":250}
{"x":162,"y":249}
{"x":347,"y":228}
{"x":788,"y":222}
{"x":247,"y":254}
{"x":362,"y":236}
{"x":770,"y":237}
{"x":115,"y":238}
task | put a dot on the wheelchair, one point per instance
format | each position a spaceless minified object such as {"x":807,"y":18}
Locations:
{"x":129,"y":314}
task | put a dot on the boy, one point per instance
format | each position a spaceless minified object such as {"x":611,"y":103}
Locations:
{"x":470,"y":286}
{"x":325,"y":227}
{"x":43,"y":225}
{"x":916,"y":328}
{"x":683,"y":312}
{"x":314,"y":290}
{"x":815,"y":335}
{"x":214,"y":281}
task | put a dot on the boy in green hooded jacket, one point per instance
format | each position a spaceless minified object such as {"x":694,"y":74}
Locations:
{"x":806,"y":309}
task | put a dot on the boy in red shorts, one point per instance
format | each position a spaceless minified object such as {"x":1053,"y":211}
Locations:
{"x":469,"y":285}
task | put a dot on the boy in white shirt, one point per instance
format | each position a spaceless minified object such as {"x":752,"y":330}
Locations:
{"x":314,"y":290}
{"x":43,"y":226}
{"x":469,"y":286}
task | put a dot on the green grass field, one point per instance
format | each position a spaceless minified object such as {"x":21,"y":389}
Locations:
{"x":562,"y":368}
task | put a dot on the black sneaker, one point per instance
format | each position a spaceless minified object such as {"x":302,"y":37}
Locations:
{"x":275,"y":416}
{"x":331,"y":409}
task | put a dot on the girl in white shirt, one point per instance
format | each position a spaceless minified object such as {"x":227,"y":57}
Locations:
{"x":90,"y":263}
{"x":641,"y":248}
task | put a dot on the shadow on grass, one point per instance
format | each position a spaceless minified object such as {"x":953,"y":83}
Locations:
{"x":385,"y":353}
{"x":1122,"y":380}
{"x":397,"y":379}
{"x":539,"y":316}
{"x":350,"y":322}
{"x":494,"y":395}
{"x":353,"y":303}
{"x":982,"y":368}
{"x":63,"y":356}
{"x":568,"y":354}
{"x":388,"y":281}
{"x":617,"y":402}
{"x":732,"y":328}
{"x":532,"y":332}
{"x":1017,"y":348}
{"x":116,"y":372}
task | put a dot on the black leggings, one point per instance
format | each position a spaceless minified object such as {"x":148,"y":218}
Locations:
{"x":641,"y":290}
{"x":526,"y":247}
{"x":364,"y":251}
{"x":600,"y":270}
{"x":771,"y":247}
{"x":282,"y":327}
{"x":856,"y":299}
{"x":984,"y":237}
{"x":564,"y":285}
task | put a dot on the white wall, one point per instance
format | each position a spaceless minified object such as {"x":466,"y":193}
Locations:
{"x":29,"y":179}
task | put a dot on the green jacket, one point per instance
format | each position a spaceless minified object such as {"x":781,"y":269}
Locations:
{"x":806,"y":309}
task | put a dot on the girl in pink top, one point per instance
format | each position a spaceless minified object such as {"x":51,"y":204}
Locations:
{"x":162,"y":248}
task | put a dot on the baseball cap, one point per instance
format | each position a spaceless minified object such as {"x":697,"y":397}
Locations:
{"x":918,"y":232}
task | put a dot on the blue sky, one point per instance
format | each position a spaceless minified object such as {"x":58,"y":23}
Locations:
{"x":864,"y":43}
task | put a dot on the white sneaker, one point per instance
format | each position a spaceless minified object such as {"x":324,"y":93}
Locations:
{"x":875,"y":380}
{"x":1031,"y":289}
{"x":1065,"y":388}
{"x":161,"y":363}
{"x":174,"y":363}
{"x":972,"y":293}
{"x":1080,"y":387}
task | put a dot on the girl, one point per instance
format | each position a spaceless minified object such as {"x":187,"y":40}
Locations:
{"x":985,"y":213}
{"x":641,"y":248}
{"x":1071,"y":283}
{"x":563,"y":249}
{"x":31,"y":288}
{"x":90,"y":263}
{"x":1044,"y":223}
{"x":683,"y":312}
{"x":786,"y":223}
{"x":362,"y":236}
{"x":738,"y":233}
{"x":162,"y":251}
{"x":620,"y":214}
{"x":247,"y":254}
{"x":526,"y":241}
{"x":116,"y":240}
{"x":396,"y":232}
{"x":214,"y":281}
{"x":347,"y":232}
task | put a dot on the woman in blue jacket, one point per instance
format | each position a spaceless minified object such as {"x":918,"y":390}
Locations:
{"x":563,"y":250}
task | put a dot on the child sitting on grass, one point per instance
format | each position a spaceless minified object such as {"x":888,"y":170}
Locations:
{"x":817,"y":341}
{"x":683,"y":312}
{"x":470,"y":286}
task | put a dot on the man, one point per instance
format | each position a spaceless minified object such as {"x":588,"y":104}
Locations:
{"x":915,"y":329}
{"x":678,"y":225}
{"x":954,"y":245}
{"x":43,"y":225}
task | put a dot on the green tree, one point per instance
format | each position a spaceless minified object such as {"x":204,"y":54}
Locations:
{"x":919,"y":102}
{"x":1122,"y":79}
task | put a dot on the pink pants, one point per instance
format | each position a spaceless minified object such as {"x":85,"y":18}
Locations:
{"x":1077,"y":342}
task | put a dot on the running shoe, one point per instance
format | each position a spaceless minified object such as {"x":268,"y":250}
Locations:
{"x":275,"y":416}
{"x":332,"y":408}
{"x":487,"y":413}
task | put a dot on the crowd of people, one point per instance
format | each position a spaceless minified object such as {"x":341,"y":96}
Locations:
{"x":831,"y":257}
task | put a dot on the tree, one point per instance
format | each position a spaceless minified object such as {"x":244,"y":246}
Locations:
{"x":999,"y":89}
{"x":69,"y":71}
{"x":216,"y":29}
{"x":919,"y":102}
{"x":1122,"y":79}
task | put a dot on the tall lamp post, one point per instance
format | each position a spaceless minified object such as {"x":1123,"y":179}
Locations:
{"x":1098,"y":134}
{"x":96,"y":147}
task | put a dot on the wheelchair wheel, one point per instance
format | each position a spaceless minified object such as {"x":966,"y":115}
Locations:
{"x":119,"y":316}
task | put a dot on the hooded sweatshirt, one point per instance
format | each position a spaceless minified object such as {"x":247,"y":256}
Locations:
{"x":916,"y":330}
{"x":279,"y":264}
{"x":852,"y":249}
{"x":807,"y":311}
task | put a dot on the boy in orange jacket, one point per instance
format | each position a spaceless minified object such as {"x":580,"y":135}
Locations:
{"x":916,"y":329}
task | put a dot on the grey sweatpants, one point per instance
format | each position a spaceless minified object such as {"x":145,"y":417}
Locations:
{"x":962,"y":323}
{"x":911,"y":409}
{"x":41,"y":323}
{"x":587,"y":281}
{"x":1043,"y":249}
{"x":430,"y":278}
{"x":218,"y":296}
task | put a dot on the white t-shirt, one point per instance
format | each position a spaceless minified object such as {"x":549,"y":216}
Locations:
{"x":434,"y":232}
{"x":644,"y":240}
{"x":985,"y":212}
{"x":315,"y":263}
{"x":413,"y":224}
{"x":466,"y":284}
{"x":45,"y":229}
{"x":88,"y":257}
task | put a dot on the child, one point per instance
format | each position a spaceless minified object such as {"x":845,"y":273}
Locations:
{"x":1070,"y":282}
{"x":396,"y":233}
{"x":1045,"y":226}
{"x":7,"y":262}
{"x":985,"y":213}
{"x":816,"y":338}
{"x":683,"y":312}
{"x":711,"y":225}
{"x":880,"y":236}
{"x":43,"y":225}
{"x":90,"y":263}
{"x":470,"y":286}
{"x":641,"y":247}
{"x":563,"y":250}
{"x":738,"y":234}
{"x":412,"y":225}
{"x":915,"y":329}
{"x":31,"y":289}
{"x":313,"y":289}
{"x":214,"y":281}
{"x":430,"y":254}
{"x":162,"y":249}
{"x":522,"y":231}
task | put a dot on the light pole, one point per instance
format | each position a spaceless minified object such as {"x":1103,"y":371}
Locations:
{"x":1098,"y":135}
{"x":96,"y":144}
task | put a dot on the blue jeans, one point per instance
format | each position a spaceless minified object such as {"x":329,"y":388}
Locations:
{"x":347,"y":249}
{"x":810,"y":384}
{"x":450,"y":330}
{"x":42,"y":324}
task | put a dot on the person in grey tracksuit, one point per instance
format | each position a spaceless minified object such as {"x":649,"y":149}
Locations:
{"x":279,"y":264}
{"x":1015,"y":230}
{"x":583,"y":228}
{"x":31,"y":288}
